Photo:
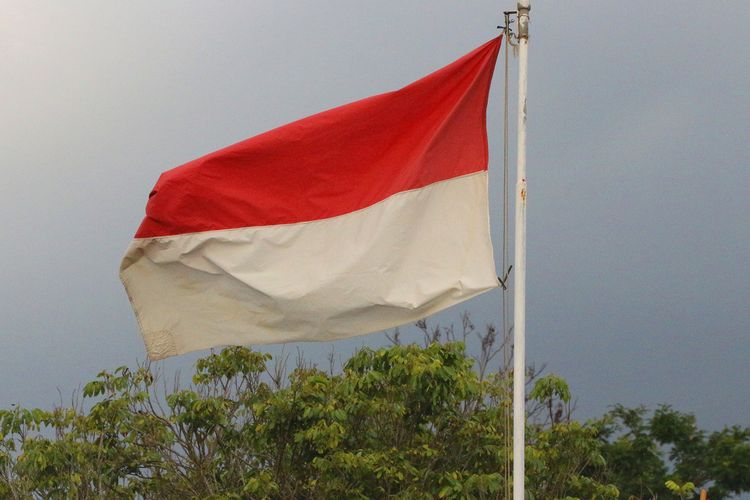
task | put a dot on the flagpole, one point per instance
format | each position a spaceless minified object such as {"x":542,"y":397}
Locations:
{"x":519,"y":280}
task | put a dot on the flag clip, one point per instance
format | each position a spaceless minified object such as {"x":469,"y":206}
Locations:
{"x":504,"y":280}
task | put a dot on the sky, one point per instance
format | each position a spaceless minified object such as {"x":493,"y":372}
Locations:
{"x":638,"y":166}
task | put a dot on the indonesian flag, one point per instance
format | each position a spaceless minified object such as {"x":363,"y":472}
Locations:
{"x":350,"y":221}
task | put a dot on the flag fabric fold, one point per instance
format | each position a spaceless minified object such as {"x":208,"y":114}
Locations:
{"x":354,"y":220}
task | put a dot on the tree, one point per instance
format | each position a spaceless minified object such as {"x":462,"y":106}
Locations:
{"x":406,"y":421}
{"x":646,"y":451}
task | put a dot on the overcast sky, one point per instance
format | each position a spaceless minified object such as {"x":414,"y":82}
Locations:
{"x":639,"y":178}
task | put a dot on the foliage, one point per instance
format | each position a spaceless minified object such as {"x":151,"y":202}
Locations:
{"x":683,"y":491}
{"x":650,"y":456}
{"x":406,"y":421}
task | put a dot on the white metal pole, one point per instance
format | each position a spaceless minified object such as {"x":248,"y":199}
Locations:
{"x":519,"y":280}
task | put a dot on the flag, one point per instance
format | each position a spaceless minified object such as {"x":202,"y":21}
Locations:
{"x":354,"y":220}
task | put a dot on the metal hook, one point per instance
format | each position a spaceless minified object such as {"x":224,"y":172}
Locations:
{"x":509,"y":35}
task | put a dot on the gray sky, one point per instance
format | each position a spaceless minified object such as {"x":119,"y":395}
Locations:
{"x":639,"y":195}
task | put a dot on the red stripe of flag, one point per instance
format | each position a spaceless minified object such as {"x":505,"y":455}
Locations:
{"x":337,"y":161}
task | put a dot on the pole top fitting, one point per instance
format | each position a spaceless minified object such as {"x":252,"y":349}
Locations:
{"x":524,"y":5}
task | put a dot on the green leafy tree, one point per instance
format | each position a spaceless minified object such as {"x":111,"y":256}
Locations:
{"x":647,"y":452}
{"x":406,"y":421}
